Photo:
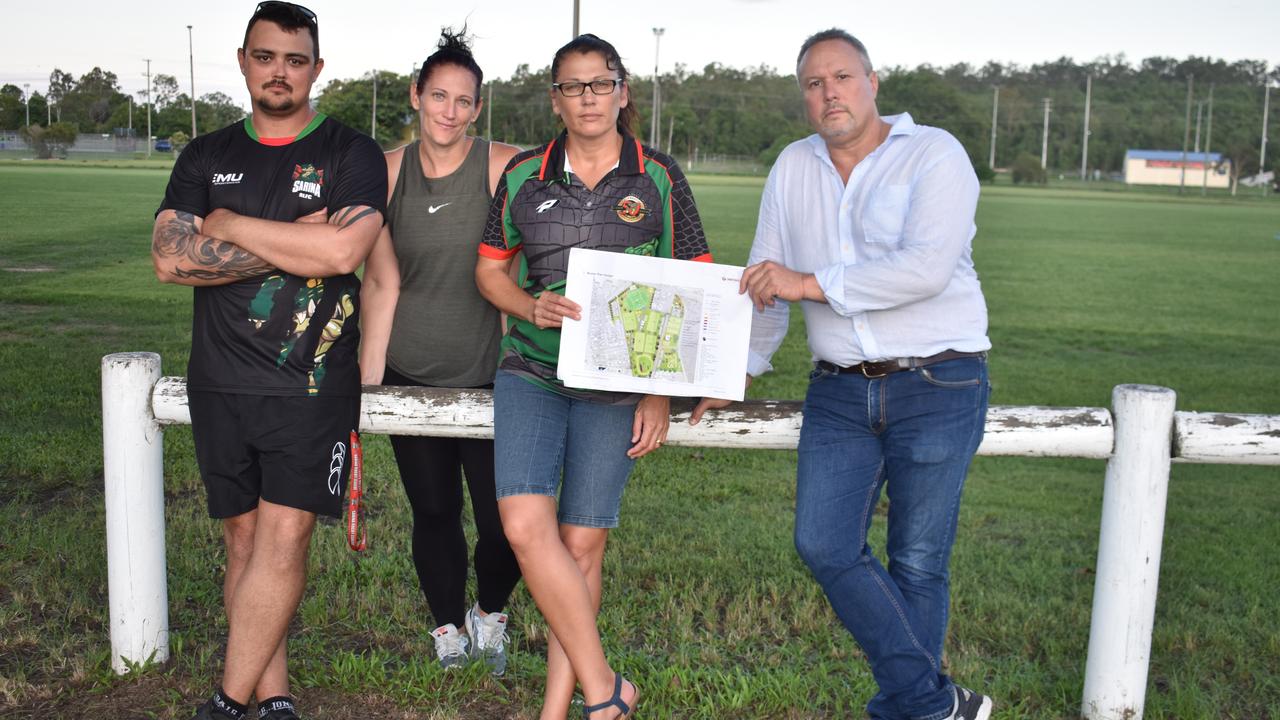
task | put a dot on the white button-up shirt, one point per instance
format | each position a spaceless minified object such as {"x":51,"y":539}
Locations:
{"x":891,"y":249}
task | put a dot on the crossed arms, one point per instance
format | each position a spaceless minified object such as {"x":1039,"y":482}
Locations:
{"x":225,"y":247}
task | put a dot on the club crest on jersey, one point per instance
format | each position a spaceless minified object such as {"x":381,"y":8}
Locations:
{"x":631,"y":209}
{"x":307,"y":181}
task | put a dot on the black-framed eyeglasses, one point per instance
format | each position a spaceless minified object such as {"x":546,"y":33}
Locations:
{"x":293,"y":7}
{"x":598,"y":87}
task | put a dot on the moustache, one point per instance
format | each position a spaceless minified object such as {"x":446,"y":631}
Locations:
{"x":279,"y":84}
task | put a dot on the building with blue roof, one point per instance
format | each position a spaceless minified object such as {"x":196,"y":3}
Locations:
{"x":1172,"y":167}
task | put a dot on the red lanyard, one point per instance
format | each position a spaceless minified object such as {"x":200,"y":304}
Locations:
{"x":357,"y":535}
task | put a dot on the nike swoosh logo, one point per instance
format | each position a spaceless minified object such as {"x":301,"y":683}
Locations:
{"x":433,"y":208}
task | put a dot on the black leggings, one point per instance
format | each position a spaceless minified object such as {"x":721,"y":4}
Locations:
{"x":430,"y":469}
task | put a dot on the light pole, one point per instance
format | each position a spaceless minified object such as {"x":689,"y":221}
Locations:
{"x":191,"y":59}
{"x":1262,"y":151}
{"x":576,"y":3}
{"x":26,"y":93}
{"x":654,"y":125}
{"x":148,"y":109}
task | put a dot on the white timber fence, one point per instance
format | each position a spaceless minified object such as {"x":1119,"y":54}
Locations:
{"x":1139,"y":437}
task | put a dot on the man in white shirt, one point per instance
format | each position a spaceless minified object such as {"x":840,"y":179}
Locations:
{"x":868,"y":224}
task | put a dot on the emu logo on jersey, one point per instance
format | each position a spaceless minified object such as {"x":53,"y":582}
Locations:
{"x":631,"y":209}
{"x":336,"y":460}
{"x":307,"y":181}
{"x":227,"y":178}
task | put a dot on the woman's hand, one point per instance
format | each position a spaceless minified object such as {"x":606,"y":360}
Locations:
{"x":550,"y":310}
{"x":653,"y":416}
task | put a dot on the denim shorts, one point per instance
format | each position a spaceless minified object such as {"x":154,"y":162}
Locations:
{"x":541,"y":437}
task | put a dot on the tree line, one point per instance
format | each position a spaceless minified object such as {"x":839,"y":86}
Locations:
{"x":755,"y":112}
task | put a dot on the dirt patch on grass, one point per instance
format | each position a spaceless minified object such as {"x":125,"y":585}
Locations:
{"x":169,"y":698}
{"x":29,"y":269}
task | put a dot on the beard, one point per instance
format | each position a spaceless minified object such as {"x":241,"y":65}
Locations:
{"x":276,"y":104}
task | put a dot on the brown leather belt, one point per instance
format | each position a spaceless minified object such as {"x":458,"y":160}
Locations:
{"x":881,"y":368}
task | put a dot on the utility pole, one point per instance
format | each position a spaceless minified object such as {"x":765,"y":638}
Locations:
{"x":148,"y":143}
{"x":995,"y":114}
{"x":1208,"y":141}
{"x":130,"y":116}
{"x":373,"y":114}
{"x":26,"y":94}
{"x":488,"y":115}
{"x":1187,"y":133}
{"x":575,"y":18}
{"x":1084,"y":149}
{"x":1195,"y":147}
{"x":1044,"y":135}
{"x":1262,"y":153}
{"x":655,"y":120}
{"x":191,"y":58}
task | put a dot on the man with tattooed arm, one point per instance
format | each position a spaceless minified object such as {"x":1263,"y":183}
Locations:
{"x":268,"y":220}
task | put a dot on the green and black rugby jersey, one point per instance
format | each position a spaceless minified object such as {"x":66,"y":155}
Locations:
{"x":278,"y":334}
{"x":541,"y":209}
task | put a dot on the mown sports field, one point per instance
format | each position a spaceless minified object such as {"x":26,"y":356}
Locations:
{"x":706,"y":605}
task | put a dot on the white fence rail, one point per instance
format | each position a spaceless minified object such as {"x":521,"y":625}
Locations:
{"x":1139,"y":438}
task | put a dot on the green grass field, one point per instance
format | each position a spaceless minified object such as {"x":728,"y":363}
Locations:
{"x":706,"y":605}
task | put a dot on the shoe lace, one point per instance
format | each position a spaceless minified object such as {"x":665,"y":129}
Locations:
{"x":492,"y":633}
{"x":449,"y":645}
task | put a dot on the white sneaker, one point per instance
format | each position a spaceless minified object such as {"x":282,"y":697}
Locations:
{"x":451,"y":646}
{"x":489,"y":633}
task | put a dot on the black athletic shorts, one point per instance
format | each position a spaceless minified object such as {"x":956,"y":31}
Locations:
{"x":293,"y":451}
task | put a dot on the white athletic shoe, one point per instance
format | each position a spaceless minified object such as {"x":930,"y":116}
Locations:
{"x":489,"y":638}
{"x":451,"y":646}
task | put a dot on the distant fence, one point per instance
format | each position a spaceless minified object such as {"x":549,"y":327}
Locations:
{"x":1139,"y":437}
{"x":88,"y":146}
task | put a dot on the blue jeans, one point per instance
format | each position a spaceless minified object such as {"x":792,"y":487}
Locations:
{"x":915,"y":432}
{"x":541,"y":436}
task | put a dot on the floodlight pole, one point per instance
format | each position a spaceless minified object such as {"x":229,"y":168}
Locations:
{"x":1084,"y":149}
{"x":1186,"y":137}
{"x":1208,"y":140}
{"x":1044,"y":135}
{"x":655,"y":122}
{"x":576,"y":3}
{"x":191,"y":58}
{"x":995,"y":113}
{"x":1262,"y":152}
{"x":148,"y":109}
{"x":1195,"y":145}
{"x":26,"y":93}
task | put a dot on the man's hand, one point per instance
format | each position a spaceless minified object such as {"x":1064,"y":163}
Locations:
{"x":706,"y":404}
{"x":768,"y":281}
{"x":550,"y":310}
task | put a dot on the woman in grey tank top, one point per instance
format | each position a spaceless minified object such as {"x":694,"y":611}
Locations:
{"x":425,"y":323}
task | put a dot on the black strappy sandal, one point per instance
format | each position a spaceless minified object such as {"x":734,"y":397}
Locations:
{"x":615,"y":701}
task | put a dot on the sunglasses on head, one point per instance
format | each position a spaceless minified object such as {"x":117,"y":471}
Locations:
{"x":291,"y":7}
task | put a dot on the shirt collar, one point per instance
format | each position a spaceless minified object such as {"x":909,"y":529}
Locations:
{"x":900,"y":124}
{"x":555,"y":164}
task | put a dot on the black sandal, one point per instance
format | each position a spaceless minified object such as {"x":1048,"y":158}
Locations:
{"x":615,"y":701}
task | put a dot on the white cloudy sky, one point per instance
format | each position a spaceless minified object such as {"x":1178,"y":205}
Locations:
{"x":356,"y":37}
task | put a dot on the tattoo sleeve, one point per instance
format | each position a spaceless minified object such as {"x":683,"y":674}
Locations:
{"x":201,"y":257}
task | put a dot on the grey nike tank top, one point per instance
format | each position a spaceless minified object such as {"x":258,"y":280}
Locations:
{"x":444,"y":332}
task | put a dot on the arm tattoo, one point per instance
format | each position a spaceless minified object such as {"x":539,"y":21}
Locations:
{"x":212,"y":258}
{"x":349,"y":216}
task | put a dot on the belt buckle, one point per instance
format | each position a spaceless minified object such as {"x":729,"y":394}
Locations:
{"x":862,"y":367}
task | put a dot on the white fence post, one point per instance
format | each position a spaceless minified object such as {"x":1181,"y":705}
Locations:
{"x":1128,"y":568}
{"x":133,"y":471}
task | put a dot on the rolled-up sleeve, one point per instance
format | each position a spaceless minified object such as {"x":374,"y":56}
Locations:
{"x":936,"y":232}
